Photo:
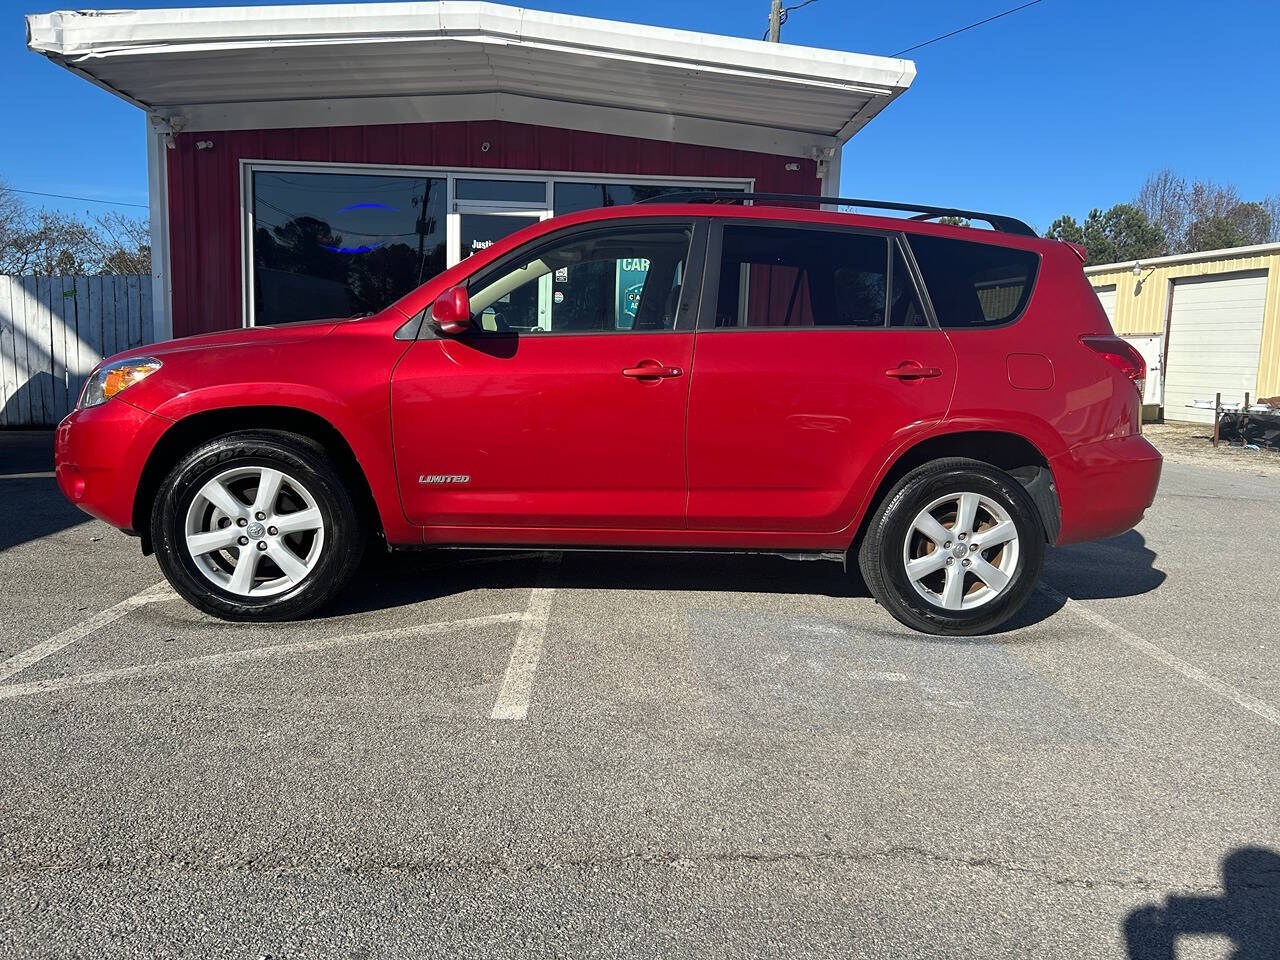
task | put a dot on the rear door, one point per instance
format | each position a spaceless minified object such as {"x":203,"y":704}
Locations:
{"x":815,"y":361}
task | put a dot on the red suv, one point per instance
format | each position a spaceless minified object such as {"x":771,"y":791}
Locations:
{"x":936,"y":401}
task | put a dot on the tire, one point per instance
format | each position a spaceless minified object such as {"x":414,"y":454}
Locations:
{"x":929,"y":597}
{"x":215,"y":493}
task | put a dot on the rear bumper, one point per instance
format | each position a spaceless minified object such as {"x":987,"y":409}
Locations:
{"x":1105,"y":487}
{"x":98,"y":456}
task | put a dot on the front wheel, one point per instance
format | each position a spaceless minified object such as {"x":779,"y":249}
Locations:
{"x":256,"y":526}
{"x":954,"y":549}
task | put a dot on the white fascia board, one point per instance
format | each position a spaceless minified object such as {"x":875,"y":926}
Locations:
{"x":1227,"y":253}
{"x":361,"y":111}
{"x":106,"y":33}
{"x":79,"y":39}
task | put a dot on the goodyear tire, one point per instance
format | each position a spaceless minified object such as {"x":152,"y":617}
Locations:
{"x":954,"y":549}
{"x":257,"y":525}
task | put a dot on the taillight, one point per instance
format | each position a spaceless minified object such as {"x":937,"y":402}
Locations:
{"x":1121,"y":355}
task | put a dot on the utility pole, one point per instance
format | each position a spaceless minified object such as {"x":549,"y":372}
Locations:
{"x":775,"y":21}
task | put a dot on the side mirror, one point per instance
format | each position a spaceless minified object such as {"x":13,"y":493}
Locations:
{"x":451,"y":313}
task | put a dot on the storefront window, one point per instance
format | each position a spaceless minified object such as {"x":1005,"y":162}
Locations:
{"x":338,"y":245}
{"x":502,"y":191}
{"x":571,"y":196}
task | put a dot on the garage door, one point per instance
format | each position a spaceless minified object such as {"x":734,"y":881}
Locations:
{"x":1215,"y":339}
{"x":1107,"y":297}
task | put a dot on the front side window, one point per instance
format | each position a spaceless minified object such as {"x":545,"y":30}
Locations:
{"x":782,"y":277}
{"x":625,"y":278}
{"x":336,"y":245}
{"x":974,"y":284}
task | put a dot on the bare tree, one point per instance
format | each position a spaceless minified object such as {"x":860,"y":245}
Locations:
{"x":13,"y":224}
{"x":1206,"y":200}
{"x":1163,"y":198}
{"x":1206,"y":215}
{"x":124,"y":243}
{"x":1272,"y":205}
{"x":49,"y":242}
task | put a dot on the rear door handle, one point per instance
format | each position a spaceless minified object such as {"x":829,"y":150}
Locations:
{"x":651,"y":370}
{"x":910,"y":370}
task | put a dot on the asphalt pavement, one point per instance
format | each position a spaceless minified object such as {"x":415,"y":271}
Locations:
{"x":642,"y":754}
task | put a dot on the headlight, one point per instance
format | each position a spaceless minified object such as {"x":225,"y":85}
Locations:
{"x":110,"y":379}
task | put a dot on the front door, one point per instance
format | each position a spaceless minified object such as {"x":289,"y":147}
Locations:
{"x":565,"y":408}
{"x":814,"y":362}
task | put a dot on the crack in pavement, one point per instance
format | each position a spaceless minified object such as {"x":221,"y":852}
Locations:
{"x":897,"y":854}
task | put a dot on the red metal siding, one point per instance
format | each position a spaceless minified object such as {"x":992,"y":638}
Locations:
{"x":204,"y":185}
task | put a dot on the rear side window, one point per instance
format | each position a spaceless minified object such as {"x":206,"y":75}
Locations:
{"x":781,"y":277}
{"x":974,"y":284}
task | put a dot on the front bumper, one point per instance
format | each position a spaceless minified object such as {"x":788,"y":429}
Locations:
{"x":1105,"y":487}
{"x":99,"y":454}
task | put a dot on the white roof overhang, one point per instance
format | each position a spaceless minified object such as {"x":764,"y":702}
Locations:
{"x":349,"y":64}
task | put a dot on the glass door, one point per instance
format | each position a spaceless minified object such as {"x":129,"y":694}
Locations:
{"x":484,"y":210}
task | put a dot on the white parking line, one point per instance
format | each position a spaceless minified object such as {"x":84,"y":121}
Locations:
{"x":253,"y":653}
{"x":1159,"y":654}
{"x":27,"y":476}
{"x":517,"y":682}
{"x":20,"y":661}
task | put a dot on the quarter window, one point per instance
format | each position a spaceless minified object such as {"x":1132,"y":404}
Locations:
{"x":974,"y":284}
{"x":615,"y":279}
{"x":782,"y":277}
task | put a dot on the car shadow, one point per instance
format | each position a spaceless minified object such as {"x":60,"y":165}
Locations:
{"x":1119,"y":567}
{"x":1122,"y":566}
{"x":1247,"y":913}
{"x":401,"y":578}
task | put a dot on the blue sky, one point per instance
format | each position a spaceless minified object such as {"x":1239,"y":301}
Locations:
{"x":1063,"y":106}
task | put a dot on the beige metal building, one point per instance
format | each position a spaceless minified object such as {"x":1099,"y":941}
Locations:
{"x":1206,"y":322}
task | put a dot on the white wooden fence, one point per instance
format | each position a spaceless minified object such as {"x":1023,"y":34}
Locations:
{"x":54,"y":329}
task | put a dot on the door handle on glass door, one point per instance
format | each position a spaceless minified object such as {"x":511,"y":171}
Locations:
{"x":651,"y":369}
{"x":910,"y":370}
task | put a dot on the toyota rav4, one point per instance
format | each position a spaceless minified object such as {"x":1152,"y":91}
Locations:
{"x":931,"y":402}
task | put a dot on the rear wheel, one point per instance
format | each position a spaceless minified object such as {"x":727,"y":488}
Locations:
{"x":256,"y":526}
{"x":955,"y":548}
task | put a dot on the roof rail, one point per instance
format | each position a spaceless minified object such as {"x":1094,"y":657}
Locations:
{"x":922,"y":211}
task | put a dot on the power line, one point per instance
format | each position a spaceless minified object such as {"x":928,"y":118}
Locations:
{"x":944,"y":36}
{"x":64,"y":196}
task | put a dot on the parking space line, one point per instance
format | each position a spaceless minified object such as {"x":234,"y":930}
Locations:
{"x":28,"y":476}
{"x":1159,"y":654}
{"x":252,"y":653}
{"x":32,"y":655}
{"x":517,"y":682}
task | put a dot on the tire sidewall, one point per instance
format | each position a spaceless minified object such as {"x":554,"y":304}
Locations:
{"x":181,"y":487}
{"x":906,"y":604}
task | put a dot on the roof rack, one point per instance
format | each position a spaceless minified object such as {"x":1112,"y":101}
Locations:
{"x":922,"y":211}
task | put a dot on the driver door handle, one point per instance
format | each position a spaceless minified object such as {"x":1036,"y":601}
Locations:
{"x":910,"y":370}
{"x":651,"y":370}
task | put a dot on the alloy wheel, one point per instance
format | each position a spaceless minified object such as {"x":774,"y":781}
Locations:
{"x":961,"y":551}
{"x":254,"y":531}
